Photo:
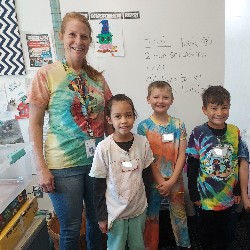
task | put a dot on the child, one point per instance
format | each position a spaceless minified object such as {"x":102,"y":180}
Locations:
{"x":167,"y":138}
{"x":213,"y":168}
{"x":118,"y":164}
{"x":244,"y":169}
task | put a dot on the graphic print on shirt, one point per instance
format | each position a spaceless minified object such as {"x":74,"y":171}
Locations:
{"x":218,"y":162}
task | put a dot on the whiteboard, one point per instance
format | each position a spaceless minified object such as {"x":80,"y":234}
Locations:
{"x":237,"y":54}
{"x":192,"y":32}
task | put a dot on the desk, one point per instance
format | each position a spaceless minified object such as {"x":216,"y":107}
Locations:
{"x":36,"y":237}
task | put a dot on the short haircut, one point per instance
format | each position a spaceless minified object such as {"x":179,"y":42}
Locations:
{"x":120,"y":98}
{"x":160,"y":85}
{"x":215,"y":95}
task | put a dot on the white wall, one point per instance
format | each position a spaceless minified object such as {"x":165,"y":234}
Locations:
{"x":237,"y":60}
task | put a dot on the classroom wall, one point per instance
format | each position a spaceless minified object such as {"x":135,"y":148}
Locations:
{"x":237,"y":60}
{"x":179,"y":41}
{"x":35,"y":16}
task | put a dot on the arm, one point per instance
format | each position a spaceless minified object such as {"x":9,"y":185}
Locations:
{"x":36,"y":119}
{"x":166,"y":186}
{"x":147,"y":180}
{"x":158,"y":178}
{"x":100,"y":187}
{"x":192,"y":173}
{"x":244,"y":172}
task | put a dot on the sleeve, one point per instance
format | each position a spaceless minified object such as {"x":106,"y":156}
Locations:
{"x":236,"y":190}
{"x":141,"y":129}
{"x":148,"y":158}
{"x":100,"y":187}
{"x":183,"y":134}
{"x":244,"y":144}
{"x":147,"y":177}
{"x":99,"y":166}
{"x":39,"y":94}
{"x":192,"y":147}
{"x":193,"y":165}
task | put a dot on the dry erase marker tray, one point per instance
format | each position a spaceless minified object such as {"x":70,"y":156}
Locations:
{"x":15,"y":171}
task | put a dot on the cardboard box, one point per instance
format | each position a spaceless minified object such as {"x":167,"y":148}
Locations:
{"x":15,"y":229}
{"x":12,"y":209}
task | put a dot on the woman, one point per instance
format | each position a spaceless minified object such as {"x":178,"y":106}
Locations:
{"x":75,"y":96}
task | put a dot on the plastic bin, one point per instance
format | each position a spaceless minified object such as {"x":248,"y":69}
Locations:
{"x":15,"y":171}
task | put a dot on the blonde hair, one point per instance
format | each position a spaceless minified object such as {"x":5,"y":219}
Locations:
{"x":91,"y":72}
{"x":160,"y":85}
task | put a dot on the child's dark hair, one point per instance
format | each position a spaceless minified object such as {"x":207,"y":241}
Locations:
{"x":215,"y":95}
{"x":120,"y":98}
{"x":160,"y":85}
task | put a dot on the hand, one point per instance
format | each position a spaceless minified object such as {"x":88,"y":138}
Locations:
{"x":46,"y":180}
{"x":103,"y":225}
{"x":197,"y":203}
{"x":165,"y":187}
{"x":237,"y":199}
{"x":246,"y":203}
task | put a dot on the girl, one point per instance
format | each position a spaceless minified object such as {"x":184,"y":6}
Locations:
{"x":119,"y":192}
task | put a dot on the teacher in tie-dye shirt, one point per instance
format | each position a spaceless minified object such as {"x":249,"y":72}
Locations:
{"x":75,"y":96}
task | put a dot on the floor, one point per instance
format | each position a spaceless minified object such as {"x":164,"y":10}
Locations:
{"x":240,"y":241}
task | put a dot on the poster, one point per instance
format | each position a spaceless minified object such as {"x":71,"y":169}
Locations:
{"x":108,"y":37}
{"x":40,"y":49}
{"x":16,"y":98}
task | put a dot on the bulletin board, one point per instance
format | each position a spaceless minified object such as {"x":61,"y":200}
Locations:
{"x":179,"y":41}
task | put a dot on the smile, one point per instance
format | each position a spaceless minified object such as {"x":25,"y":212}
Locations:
{"x":77,"y":49}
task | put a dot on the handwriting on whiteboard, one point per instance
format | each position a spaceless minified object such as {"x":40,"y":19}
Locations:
{"x":183,"y":48}
{"x":161,"y":54}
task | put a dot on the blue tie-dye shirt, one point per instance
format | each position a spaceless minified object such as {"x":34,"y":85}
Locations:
{"x":218,"y":172}
{"x":54,"y":88}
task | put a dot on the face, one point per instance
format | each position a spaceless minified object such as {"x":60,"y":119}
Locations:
{"x":160,"y":100}
{"x":217,"y":114}
{"x":122,"y":119}
{"x":76,"y":40}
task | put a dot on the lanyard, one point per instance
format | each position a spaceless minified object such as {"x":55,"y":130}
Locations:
{"x":81,"y":88}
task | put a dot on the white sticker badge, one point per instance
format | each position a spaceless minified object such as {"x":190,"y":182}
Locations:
{"x":90,"y":147}
{"x":168,"y":137}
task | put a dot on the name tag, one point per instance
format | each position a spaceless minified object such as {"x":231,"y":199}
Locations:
{"x":129,"y":165}
{"x":168,"y":137}
{"x":219,"y":152}
{"x":90,"y":147}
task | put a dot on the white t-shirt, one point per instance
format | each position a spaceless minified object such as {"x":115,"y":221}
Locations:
{"x":125,"y":194}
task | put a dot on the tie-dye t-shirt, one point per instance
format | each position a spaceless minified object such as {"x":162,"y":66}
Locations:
{"x":164,"y":152}
{"x":54,"y":89}
{"x":218,"y":172}
{"x":245,"y":151}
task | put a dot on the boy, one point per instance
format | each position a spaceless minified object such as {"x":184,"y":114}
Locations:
{"x":213,"y":168}
{"x":244,"y":169}
{"x":167,"y":138}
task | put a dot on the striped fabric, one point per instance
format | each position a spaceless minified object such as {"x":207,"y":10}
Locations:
{"x":11,"y":55}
